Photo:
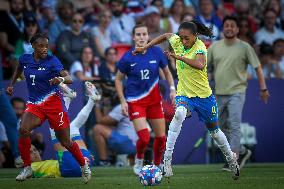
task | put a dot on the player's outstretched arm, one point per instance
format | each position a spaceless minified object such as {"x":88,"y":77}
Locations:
{"x":64,"y":78}
{"x":153,"y":42}
{"x":17,"y":73}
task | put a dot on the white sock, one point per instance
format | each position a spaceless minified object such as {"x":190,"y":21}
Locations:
{"x":174,"y":130}
{"x":83,"y":115}
{"x":222,"y":142}
{"x":67,"y":101}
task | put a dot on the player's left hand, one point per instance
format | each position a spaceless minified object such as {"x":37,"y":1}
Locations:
{"x":264,"y":95}
{"x":173,"y":97}
{"x":55,"y":81}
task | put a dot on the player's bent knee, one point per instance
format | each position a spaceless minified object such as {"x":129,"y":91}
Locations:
{"x":180,"y":113}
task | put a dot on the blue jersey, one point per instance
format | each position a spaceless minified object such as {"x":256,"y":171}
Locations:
{"x":142,"y":71}
{"x":38,"y":74}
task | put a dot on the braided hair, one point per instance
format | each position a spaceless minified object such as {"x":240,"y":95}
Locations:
{"x":38,"y":36}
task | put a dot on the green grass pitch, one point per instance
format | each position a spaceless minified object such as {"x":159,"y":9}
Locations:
{"x":253,"y":176}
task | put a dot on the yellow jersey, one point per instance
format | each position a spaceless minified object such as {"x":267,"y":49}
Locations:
{"x":47,"y":168}
{"x":191,"y":81}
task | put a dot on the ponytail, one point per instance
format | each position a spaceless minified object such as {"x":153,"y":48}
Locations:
{"x":197,"y":28}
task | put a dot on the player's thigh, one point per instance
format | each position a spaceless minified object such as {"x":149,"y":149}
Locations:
{"x":29,"y":121}
{"x":207,"y":109}
{"x":140,"y":123}
{"x":136,"y":110}
{"x":158,"y":126}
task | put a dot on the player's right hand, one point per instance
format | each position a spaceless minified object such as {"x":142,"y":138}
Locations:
{"x":124,"y":108}
{"x":10,"y":90}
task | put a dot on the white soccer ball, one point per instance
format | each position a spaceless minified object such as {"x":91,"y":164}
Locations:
{"x":150,"y":175}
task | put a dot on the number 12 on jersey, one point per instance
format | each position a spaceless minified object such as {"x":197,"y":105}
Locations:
{"x":144,"y":74}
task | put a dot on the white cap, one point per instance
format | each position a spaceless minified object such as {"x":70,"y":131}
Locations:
{"x":150,"y":10}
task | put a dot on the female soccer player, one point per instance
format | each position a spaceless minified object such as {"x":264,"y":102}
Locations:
{"x":43,"y":73}
{"x":66,"y":165}
{"x":193,"y":90}
{"x":142,"y":96}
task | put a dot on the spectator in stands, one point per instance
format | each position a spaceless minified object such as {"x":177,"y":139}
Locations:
{"x":245,"y":32}
{"x":164,"y":21}
{"x":113,"y":131}
{"x":176,"y":12}
{"x":270,"y":67}
{"x":242,"y":8}
{"x":121,"y":25}
{"x":187,"y":17}
{"x":23,"y":45}
{"x":47,"y":15}
{"x":152,"y":21}
{"x":12,"y":23}
{"x":269,"y":33}
{"x":101,"y":33}
{"x":85,"y":69}
{"x":19,"y":106}
{"x":70,"y":42}
{"x":276,"y":6}
{"x":208,"y":17}
{"x":278,"y":54}
{"x":107,"y":69}
{"x":65,"y":10}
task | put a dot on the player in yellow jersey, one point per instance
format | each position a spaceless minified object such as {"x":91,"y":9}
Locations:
{"x":193,"y":90}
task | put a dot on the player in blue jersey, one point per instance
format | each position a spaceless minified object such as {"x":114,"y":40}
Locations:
{"x":142,"y":100}
{"x":43,"y":73}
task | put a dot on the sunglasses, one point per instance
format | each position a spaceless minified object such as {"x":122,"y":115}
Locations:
{"x":77,"y":21}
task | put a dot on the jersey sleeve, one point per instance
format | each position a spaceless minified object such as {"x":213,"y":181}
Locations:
{"x":57,"y":65}
{"x":201,"y":49}
{"x":116,"y":113}
{"x":163,"y":61}
{"x":252,"y":57}
{"x":123,"y":64}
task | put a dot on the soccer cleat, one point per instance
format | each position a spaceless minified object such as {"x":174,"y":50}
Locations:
{"x":67,"y":92}
{"x":226,"y":167}
{"x":26,"y":173}
{"x":104,"y":163}
{"x":243,"y":158}
{"x":234,"y":167}
{"x":138,"y":166}
{"x":167,"y":168}
{"x":86,"y":172}
{"x":92,"y":91}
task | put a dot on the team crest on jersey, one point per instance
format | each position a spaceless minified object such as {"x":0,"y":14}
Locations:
{"x":153,"y":62}
{"x":135,"y":113}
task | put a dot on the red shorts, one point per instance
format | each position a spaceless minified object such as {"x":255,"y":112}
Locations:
{"x":149,"y":106}
{"x":51,"y":109}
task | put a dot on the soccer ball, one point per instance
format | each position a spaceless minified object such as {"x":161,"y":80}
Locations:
{"x":150,"y":175}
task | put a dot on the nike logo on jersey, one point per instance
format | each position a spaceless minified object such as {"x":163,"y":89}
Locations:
{"x":40,"y":68}
{"x":133,"y":64}
{"x":153,"y":62}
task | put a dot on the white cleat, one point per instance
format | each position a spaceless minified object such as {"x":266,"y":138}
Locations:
{"x":86,"y":172}
{"x":92,"y":91}
{"x":167,"y":169}
{"x":67,"y":91}
{"x":138,"y":166}
{"x":234,"y":167}
{"x":26,"y":173}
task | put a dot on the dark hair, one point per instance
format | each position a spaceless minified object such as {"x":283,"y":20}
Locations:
{"x":108,"y":49}
{"x":232,"y":18}
{"x":197,"y":28}
{"x":279,"y":40}
{"x":82,"y":50}
{"x":17,"y":99}
{"x":116,"y":1}
{"x":38,"y":36}
{"x":138,"y":26}
{"x":265,"y":49}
